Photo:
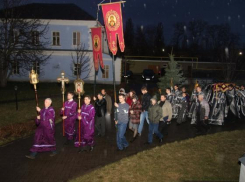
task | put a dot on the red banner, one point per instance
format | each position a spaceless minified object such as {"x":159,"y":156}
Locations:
{"x":223,"y":86}
{"x":97,"y":47}
{"x":112,"y":14}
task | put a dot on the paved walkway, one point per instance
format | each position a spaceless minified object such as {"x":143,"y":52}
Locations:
{"x":69,"y":163}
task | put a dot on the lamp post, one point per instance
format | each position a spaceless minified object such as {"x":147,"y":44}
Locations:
{"x":16,"y":98}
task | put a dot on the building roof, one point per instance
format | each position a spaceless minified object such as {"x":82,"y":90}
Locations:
{"x":50,"y":11}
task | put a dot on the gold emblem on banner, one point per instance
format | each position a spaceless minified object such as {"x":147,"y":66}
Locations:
{"x":96,"y":43}
{"x":113,"y":21}
{"x":113,"y":46}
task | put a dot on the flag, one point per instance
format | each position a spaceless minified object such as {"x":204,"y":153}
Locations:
{"x":112,"y":14}
{"x":97,"y":47}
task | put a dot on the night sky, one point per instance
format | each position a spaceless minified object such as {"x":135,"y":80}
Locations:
{"x":150,"y":12}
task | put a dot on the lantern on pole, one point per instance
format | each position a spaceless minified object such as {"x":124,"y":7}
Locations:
{"x":34,"y":81}
{"x":79,"y":89}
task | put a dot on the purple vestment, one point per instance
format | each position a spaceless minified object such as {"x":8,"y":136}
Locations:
{"x":71,"y":113}
{"x":44,"y":139}
{"x":87,"y":126}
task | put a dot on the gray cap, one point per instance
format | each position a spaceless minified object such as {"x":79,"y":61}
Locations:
{"x":154,"y":98}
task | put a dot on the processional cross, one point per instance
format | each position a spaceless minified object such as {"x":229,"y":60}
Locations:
{"x":63,"y":80}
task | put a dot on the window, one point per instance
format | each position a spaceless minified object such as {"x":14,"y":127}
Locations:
{"x":15,"y":68}
{"x":77,"y":68}
{"x":76,"y":38}
{"x":36,"y":67}
{"x":105,"y":73}
{"x":56,"y":38}
{"x":35,"y":37}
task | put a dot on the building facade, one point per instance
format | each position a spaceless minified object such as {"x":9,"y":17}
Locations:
{"x":64,"y":35}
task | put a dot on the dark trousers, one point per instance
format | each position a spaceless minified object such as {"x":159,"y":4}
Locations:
{"x":163,"y":126}
{"x":100,"y":125}
{"x":153,"y":128}
{"x":202,"y":125}
{"x":231,"y":118}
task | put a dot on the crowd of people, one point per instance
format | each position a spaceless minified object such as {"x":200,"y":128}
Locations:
{"x":209,"y":106}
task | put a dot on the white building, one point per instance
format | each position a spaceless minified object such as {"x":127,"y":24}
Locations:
{"x":68,"y":26}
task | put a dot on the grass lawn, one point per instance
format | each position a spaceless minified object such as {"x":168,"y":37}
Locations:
{"x":25,"y":90}
{"x":15,"y":124}
{"x":204,"y":158}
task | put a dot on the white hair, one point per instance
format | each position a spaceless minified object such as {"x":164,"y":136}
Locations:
{"x":49,"y":100}
{"x":201,"y":95}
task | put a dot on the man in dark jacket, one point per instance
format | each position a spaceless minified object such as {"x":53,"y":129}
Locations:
{"x":155,"y":114}
{"x":108,"y":108}
{"x":145,"y":102}
{"x":100,"y":107}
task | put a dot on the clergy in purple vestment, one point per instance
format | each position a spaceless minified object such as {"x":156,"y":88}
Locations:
{"x":69,"y":114}
{"x":44,"y":139}
{"x":86,"y":115}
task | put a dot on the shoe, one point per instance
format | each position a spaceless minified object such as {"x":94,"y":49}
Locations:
{"x":30,"y":157}
{"x":125,"y":148}
{"x":147,"y":143}
{"x":198,"y":133}
{"x":67,"y":142}
{"x":133,"y":139}
{"x":160,"y":140}
{"x":119,"y":150}
{"x":53,"y":154}
{"x":91,"y":149}
{"x":139,"y":134}
{"x":81,"y":150}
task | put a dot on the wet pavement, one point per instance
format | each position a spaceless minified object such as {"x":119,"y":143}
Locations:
{"x":68,"y":163}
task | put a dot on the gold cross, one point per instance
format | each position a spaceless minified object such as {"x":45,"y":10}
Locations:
{"x":63,"y":80}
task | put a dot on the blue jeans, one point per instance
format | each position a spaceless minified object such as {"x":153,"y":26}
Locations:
{"x":153,"y":128}
{"x":143,"y":116}
{"x":121,"y":140}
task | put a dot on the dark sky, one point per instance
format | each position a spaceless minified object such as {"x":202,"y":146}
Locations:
{"x":145,"y":12}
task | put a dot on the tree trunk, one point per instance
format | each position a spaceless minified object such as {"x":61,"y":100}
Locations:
{"x":3,"y":82}
{"x":3,"y":78}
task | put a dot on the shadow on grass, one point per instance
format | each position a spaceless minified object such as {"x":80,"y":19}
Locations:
{"x":205,"y":158}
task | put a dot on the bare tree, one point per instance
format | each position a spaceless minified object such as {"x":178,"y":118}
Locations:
{"x":179,"y":35}
{"x":22,"y":41}
{"x":232,"y":63}
{"x":224,"y":45}
{"x":81,"y":62}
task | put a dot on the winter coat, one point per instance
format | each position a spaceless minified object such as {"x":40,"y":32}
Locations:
{"x":100,"y":107}
{"x":137,"y":109}
{"x":154,"y":113}
{"x":108,"y":103}
{"x":146,"y":101}
{"x":129,"y":100}
{"x":167,"y":110}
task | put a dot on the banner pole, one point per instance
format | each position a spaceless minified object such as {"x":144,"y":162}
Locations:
{"x":63,"y":121}
{"x":100,"y":4}
{"x":79,"y":127}
{"x":114,"y":84}
{"x":94,"y":81}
